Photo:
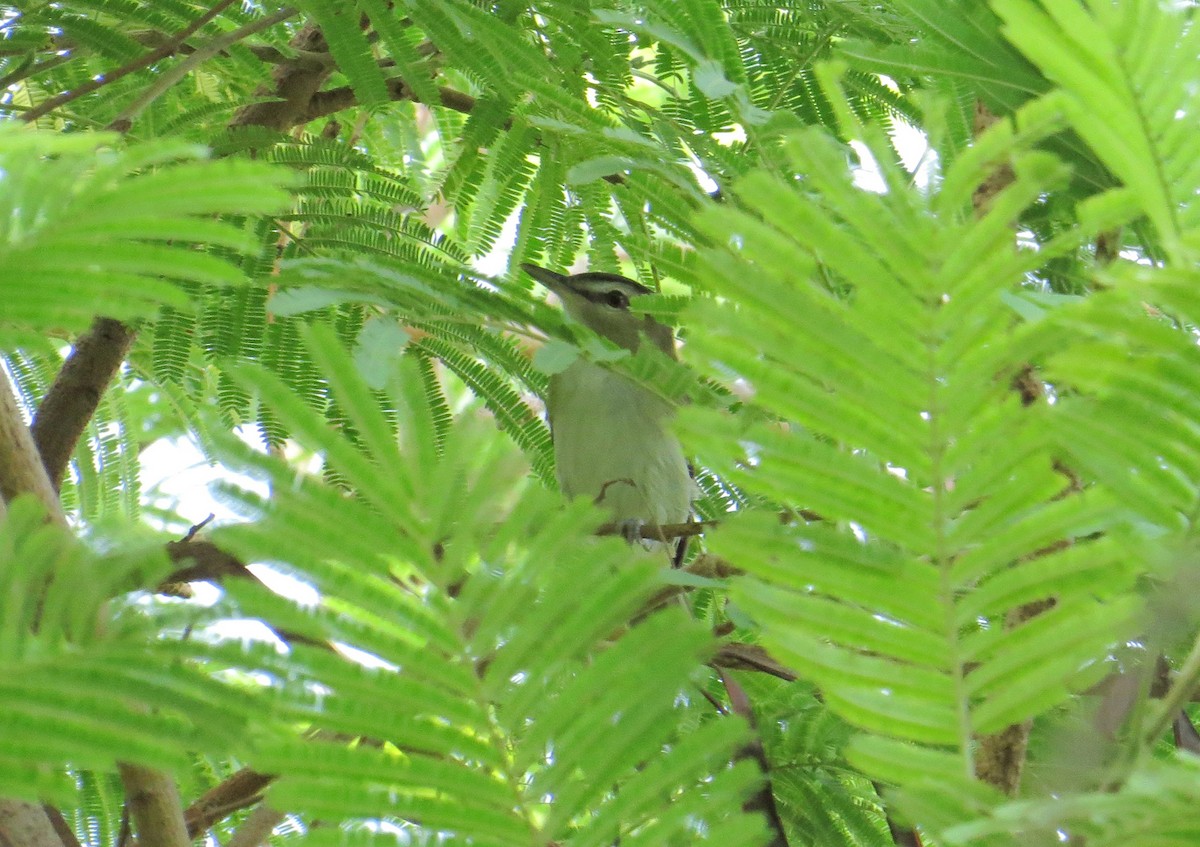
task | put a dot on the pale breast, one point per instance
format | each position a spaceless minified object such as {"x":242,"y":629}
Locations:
{"x":611,"y":443}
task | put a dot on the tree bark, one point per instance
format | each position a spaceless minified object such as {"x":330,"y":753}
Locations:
{"x":76,"y":393}
{"x":155,"y":807}
{"x":21,"y":471}
{"x":23,"y":824}
{"x":255,"y":829}
{"x":26,"y":825}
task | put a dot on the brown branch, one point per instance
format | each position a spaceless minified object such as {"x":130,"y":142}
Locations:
{"x":324,"y":103}
{"x":1000,"y":757}
{"x":665,"y":532}
{"x":203,"y":560}
{"x":240,"y":791}
{"x":294,"y":84}
{"x":98,"y":354}
{"x":1000,"y":178}
{"x":337,"y":99}
{"x":31,"y":69}
{"x":255,"y":829}
{"x":21,"y":470}
{"x":65,"y":834}
{"x":62,"y":47}
{"x":171,"y":76}
{"x":72,"y":399}
{"x":1184,"y":732}
{"x":144,"y":61}
{"x":26,"y":825}
{"x":761,"y":801}
{"x":750,"y":657}
{"x":653,"y":532}
{"x":154,"y":805}
{"x":152,"y":796}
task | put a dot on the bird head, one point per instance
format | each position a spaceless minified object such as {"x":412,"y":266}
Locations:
{"x":605,"y":303}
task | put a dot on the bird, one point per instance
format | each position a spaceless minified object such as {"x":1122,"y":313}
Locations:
{"x":612,"y":437}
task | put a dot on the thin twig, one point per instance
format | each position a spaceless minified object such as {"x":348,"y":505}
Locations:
{"x":1186,"y":737}
{"x":32,"y":69}
{"x":656,"y":532}
{"x":191,"y":533}
{"x":137,"y":64}
{"x":762,"y":800}
{"x":716,"y":704}
{"x":65,"y":833}
{"x":125,"y":831}
{"x":171,"y":76}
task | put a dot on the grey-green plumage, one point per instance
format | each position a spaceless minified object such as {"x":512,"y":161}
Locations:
{"x":612,"y":438}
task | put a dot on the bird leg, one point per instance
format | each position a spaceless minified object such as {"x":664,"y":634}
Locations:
{"x":631,"y":529}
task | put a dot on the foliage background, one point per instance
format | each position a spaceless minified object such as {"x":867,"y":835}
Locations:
{"x":945,"y":411}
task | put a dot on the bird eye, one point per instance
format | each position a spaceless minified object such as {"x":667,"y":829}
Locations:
{"x":617,"y":299}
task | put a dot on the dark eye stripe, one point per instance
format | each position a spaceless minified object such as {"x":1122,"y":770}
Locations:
{"x":613,"y":297}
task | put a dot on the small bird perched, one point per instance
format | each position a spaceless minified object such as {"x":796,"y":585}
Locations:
{"x":612,"y":440}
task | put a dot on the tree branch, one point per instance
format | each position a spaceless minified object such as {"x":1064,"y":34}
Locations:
{"x":750,"y":657}
{"x":155,"y":806}
{"x":255,"y":829}
{"x":137,"y":64}
{"x":26,"y":825}
{"x":1000,"y":757}
{"x":336,"y":99}
{"x":31,"y":69}
{"x":202,"y":560}
{"x":170,"y":77}
{"x":665,"y":532}
{"x":152,"y":795}
{"x":21,"y":471}
{"x":77,"y":390}
{"x":761,"y":801}
{"x":323,"y":103}
{"x":241,"y":790}
{"x":1000,"y":178}
{"x":296,"y":82}
{"x":65,"y":834}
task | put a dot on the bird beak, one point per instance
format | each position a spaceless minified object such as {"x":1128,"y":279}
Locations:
{"x":556,"y":282}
